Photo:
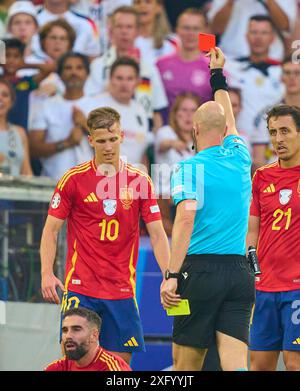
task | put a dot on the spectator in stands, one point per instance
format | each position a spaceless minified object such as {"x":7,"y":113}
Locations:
{"x":150,"y":91}
{"x":124,"y":77}
{"x":80,"y":337}
{"x":187,"y":69}
{"x":173,"y":143}
{"x":87,"y":37}
{"x":100,"y":12}
{"x":230,"y":19}
{"x":22,"y":85}
{"x":153,"y":40}
{"x":22,"y":23}
{"x":258,"y":76}
{"x":235,"y":96}
{"x":263,"y":152}
{"x":14,"y":152}
{"x":56,"y":38}
{"x":57,"y":130}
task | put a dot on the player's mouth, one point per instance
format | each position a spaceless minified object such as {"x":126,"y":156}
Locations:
{"x":70,"y":346}
{"x":281,"y":149}
{"x":109,"y":156}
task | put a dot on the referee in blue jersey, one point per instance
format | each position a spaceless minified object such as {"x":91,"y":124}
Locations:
{"x":208,"y":266}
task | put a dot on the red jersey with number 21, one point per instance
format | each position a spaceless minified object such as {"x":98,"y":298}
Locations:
{"x":276,"y":200}
{"x":103,"y":227}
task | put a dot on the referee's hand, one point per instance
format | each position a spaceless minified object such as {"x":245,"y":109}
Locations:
{"x":217,"y":58}
{"x":168,"y":296}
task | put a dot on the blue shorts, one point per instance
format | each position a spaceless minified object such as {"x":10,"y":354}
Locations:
{"x":121,"y":329}
{"x":276,"y":321}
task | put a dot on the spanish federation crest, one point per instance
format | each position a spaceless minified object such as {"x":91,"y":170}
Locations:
{"x":109,"y":207}
{"x":126,"y":197}
{"x":55,"y":201}
{"x":285,"y":196}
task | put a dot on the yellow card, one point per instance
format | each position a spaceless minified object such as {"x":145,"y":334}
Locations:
{"x":182,"y":309}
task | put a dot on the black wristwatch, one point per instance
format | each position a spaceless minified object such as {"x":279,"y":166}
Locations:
{"x":60,"y":146}
{"x":169,"y":275}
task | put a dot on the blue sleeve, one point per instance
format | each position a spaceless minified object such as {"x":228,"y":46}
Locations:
{"x":238,"y":144}
{"x":183,"y":183}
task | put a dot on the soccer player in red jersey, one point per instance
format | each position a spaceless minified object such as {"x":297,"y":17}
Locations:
{"x":102,"y":201}
{"x":274,"y":227}
{"x":80,"y":337}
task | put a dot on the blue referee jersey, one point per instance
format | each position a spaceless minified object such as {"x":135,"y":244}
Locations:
{"x":219,"y":179}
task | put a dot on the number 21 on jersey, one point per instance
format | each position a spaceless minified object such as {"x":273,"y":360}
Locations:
{"x":281,"y":215}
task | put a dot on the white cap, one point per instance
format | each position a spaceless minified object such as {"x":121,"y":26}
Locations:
{"x":21,"y":7}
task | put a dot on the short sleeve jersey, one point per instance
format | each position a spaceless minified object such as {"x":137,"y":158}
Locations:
{"x":218,"y":178}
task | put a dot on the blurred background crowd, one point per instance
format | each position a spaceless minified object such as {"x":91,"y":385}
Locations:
{"x":64,"y":58}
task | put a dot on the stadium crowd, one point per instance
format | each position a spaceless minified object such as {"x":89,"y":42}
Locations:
{"x":65,"y":58}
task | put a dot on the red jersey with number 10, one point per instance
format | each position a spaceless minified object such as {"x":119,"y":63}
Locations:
{"x":103,"y":227}
{"x":276,"y":200}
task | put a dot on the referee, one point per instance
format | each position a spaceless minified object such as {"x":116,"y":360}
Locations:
{"x":208,"y":266}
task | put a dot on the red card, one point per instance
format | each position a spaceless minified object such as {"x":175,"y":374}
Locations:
{"x":206,"y":42}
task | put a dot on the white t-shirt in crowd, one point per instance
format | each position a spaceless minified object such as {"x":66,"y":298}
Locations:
{"x":165,"y":161}
{"x":150,"y":92}
{"x":259,"y":88}
{"x":134,"y":123}
{"x":87,"y":36}
{"x":55,"y":117}
{"x":233,"y":40}
{"x":150,"y":53}
{"x":99,"y":11}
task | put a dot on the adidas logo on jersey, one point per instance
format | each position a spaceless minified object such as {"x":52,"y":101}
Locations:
{"x":131,"y":342}
{"x":297,"y":341}
{"x":270,"y":189}
{"x":91,"y":198}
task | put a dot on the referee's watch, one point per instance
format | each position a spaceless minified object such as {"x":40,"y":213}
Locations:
{"x":169,"y":275}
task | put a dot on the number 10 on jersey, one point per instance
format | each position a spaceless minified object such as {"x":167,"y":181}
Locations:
{"x":109,"y":229}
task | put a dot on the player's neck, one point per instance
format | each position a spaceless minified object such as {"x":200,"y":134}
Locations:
{"x":292,"y":99}
{"x":103,"y":167}
{"x":89,"y":357}
{"x":73,"y":94}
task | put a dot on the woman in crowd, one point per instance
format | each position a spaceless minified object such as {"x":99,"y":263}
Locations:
{"x":173,"y":143}
{"x":154,"y":28}
{"x":14,"y":151}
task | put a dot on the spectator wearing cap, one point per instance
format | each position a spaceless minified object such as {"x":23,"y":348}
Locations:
{"x":22,"y":22}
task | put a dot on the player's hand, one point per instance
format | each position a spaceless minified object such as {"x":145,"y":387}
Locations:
{"x":168,"y":295}
{"x":49,"y":284}
{"x":217,"y":58}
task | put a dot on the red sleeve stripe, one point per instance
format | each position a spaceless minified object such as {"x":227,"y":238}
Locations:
{"x":71,"y":170}
{"x":137,"y":171}
{"x":71,"y":173}
{"x":110,"y":361}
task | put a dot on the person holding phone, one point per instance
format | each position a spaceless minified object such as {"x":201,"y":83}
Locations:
{"x":208,"y":266}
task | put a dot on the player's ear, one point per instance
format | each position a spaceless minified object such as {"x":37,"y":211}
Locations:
{"x":90,"y":140}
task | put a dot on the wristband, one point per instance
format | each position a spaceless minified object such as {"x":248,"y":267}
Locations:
{"x":60,"y":146}
{"x":218,"y":80}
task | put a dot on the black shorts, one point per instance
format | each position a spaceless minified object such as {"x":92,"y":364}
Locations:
{"x":221,"y":293}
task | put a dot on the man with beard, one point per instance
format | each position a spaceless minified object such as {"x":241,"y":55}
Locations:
{"x":80,"y":335}
{"x":58,"y":128}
